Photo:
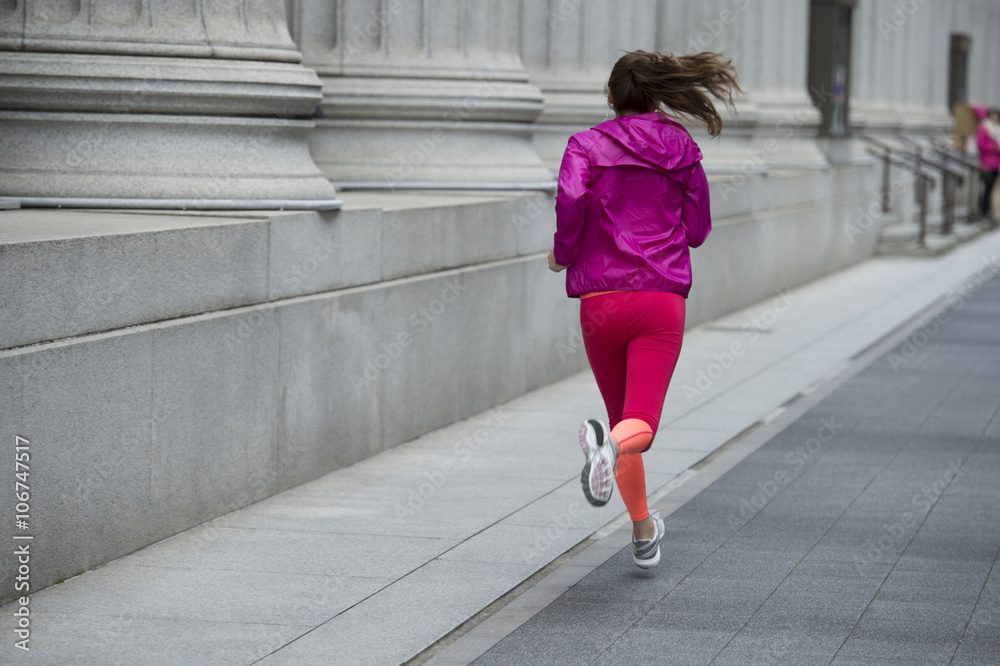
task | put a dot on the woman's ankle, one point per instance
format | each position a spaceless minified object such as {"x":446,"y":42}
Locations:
{"x":644,"y":530}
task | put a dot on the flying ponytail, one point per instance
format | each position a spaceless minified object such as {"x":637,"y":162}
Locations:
{"x":640,"y":82}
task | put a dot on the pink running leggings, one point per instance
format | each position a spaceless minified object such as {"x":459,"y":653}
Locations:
{"x":632,"y":340}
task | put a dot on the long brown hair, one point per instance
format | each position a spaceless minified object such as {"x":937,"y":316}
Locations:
{"x":640,"y":81}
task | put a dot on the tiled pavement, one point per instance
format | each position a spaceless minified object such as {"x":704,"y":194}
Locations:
{"x":807,"y":522}
{"x":865,"y":532}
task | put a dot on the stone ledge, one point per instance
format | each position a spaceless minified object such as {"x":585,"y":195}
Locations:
{"x":145,"y":431}
{"x":73,"y":272}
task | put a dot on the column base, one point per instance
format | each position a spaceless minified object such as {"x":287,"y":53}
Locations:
{"x":414,"y":154}
{"x":171,"y":204}
{"x":87,"y":158}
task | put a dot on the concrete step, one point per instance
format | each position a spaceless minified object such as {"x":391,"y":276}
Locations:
{"x":904,"y":239}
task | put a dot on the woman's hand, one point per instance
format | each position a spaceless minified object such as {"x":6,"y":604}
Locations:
{"x":553,"y":266}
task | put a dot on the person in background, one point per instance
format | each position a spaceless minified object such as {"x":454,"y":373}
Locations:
{"x":988,"y":138}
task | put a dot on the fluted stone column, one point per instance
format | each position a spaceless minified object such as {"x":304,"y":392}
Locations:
{"x":569,"y":49}
{"x":776,"y":73}
{"x":775,"y":123}
{"x":421,"y":93}
{"x":719,"y":26}
{"x":169,"y":103}
{"x":900,"y":67}
{"x":980,"y":19}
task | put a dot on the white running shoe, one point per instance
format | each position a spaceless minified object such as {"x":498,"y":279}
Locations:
{"x":646,"y":552}
{"x":598,"y":476}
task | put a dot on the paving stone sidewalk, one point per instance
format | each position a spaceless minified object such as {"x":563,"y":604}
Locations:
{"x":866,"y":532}
{"x":437,"y":549}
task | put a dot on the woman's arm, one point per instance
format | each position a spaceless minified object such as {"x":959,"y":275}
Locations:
{"x":571,"y":203}
{"x":696,"y":213}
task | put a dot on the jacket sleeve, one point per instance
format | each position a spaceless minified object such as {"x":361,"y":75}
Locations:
{"x":696,"y":214}
{"x":572,"y":197}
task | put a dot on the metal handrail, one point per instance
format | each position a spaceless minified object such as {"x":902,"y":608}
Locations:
{"x":946,"y":150}
{"x":950,"y":179}
{"x":925,"y":179}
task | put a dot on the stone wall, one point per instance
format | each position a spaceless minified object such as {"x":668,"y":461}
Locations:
{"x":169,"y":366}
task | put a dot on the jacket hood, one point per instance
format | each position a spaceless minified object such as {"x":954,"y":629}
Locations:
{"x":648,"y":139}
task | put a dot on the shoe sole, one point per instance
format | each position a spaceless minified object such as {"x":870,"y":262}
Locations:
{"x":592,"y":436}
{"x":588,"y":482}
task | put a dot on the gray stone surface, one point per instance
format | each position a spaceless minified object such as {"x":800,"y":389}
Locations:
{"x":865,"y":585}
{"x":81,"y":272}
{"x":459,"y":235}
{"x":240,"y":30}
{"x":203,"y":105}
{"x":319,"y":252}
{"x":428,"y":602}
{"x":114,"y":637}
{"x":208,"y":595}
{"x":97,"y":271}
{"x":415,"y":96}
{"x":464,"y":506}
{"x":329,"y":413}
{"x":209,"y":158}
{"x":89,"y":416}
{"x":278,"y":392}
{"x":216,"y":447}
{"x":438,"y":378}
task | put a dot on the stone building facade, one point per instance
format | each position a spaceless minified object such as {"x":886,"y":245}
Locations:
{"x":253,"y":241}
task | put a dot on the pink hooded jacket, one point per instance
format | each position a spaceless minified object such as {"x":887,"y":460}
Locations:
{"x":989,"y":150}
{"x":632,"y":199}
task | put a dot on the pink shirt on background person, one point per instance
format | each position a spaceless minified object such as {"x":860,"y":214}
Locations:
{"x":989,"y":151}
{"x":632,"y":199}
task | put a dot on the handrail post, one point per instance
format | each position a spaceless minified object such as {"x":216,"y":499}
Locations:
{"x":886,"y":178}
{"x":948,"y":203}
{"x":922,"y":202}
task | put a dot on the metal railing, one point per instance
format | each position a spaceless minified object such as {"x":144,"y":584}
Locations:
{"x":946,"y":150}
{"x":951,"y":178}
{"x":904,"y":159}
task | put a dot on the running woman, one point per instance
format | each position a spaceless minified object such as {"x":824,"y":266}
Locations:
{"x":632,"y":200}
